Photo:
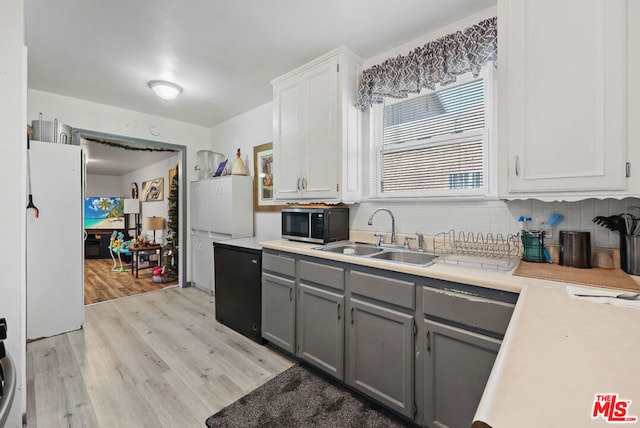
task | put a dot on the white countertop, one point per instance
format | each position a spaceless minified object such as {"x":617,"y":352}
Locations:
{"x":557,"y":354}
{"x":250,"y":242}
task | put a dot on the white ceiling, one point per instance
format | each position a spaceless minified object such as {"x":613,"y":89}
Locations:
{"x":223,"y":53}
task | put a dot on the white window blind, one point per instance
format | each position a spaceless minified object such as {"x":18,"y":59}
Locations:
{"x":433,"y":143}
{"x":442,"y":167}
{"x":448,"y":111}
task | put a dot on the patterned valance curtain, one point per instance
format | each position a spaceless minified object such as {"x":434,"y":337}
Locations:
{"x":439,"y":61}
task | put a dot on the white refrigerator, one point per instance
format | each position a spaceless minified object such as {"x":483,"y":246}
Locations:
{"x":55,"y":248}
{"x":221,"y":209}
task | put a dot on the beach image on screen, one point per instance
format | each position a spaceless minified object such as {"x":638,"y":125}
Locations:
{"x":104,"y":213}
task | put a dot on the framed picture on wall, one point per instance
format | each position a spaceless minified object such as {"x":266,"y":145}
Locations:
{"x":263,"y":197}
{"x":152,"y":190}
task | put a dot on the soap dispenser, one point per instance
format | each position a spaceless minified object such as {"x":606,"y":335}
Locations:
{"x":238,"y":168}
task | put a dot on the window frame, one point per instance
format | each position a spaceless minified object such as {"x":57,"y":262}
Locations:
{"x":489,"y":146}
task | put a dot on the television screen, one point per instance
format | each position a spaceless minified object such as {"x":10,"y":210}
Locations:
{"x":104,"y":213}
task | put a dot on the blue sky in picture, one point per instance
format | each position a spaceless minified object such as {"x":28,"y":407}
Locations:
{"x":103,"y":213}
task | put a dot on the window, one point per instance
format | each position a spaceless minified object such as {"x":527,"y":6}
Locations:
{"x":434,"y":143}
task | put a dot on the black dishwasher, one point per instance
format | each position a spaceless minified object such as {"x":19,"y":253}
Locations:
{"x":238,"y":295}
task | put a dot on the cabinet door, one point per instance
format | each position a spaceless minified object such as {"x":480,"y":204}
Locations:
{"x":202,"y":262}
{"x":563,"y":106}
{"x":288,"y":146}
{"x":457,"y":367}
{"x":199,"y":193}
{"x":321,"y":160}
{"x":321,"y":329}
{"x":278,"y":315}
{"x":380,"y":360}
{"x":221,"y":208}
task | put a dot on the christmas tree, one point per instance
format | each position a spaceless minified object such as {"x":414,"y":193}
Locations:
{"x":170,"y":248}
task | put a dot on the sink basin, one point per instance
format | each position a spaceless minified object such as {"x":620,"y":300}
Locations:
{"x":351,"y":249}
{"x":411,"y":257}
{"x":381,"y":253}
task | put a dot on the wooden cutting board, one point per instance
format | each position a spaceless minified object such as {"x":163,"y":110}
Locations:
{"x":596,"y":277}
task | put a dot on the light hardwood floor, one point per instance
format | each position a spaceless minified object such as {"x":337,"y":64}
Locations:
{"x":102,"y":284}
{"x":159,"y":359}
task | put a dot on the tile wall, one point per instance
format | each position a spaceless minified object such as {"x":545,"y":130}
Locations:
{"x":494,"y":217}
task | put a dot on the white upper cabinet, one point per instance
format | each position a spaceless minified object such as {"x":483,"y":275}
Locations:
{"x":563,"y":89}
{"x":316,"y":143}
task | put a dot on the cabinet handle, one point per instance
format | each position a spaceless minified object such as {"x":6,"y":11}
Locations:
{"x":304,"y":183}
{"x":338,"y":310}
{"x":254,"y":261}
{"x":428,"y":341}
{"x":352,"y":315}
{"x":517,"y":166}
{"x":298,"y":185}
{"x":291,"y":294}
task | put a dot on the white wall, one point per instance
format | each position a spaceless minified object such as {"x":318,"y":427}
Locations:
{"x":405,"y":48}
{"x":114,"y":120}
{"x":13,"y":74}
{"x":244,"y":132}
{"x":104,"y":185}
{"x":155,"y":208}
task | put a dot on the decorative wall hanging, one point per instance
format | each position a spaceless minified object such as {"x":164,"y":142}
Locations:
{"x":134,"y":190}
{"x":153,"y":190}
{"x":263,"y":197}
{"x":128,"y":147}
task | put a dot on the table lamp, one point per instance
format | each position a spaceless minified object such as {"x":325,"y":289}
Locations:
{"x":153,"y":223}
{"x":132,"y":206}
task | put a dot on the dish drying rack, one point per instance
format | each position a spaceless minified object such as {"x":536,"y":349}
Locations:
{"x":491,"y":251}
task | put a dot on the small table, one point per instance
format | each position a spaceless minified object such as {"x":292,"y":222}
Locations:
{"x":136,"y":252}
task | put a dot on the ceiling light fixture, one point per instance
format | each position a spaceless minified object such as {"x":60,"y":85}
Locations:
{"x":165,"y":90}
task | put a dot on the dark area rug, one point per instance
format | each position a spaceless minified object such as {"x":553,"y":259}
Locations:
{"x":300,"y":398}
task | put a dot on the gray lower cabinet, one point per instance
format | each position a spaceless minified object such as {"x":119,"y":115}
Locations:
{"x":278,"y":300}
{"x":457,"y":366}
{"x":320,"y":317}
{"x":381,"y":340}
{"x":462,"y":336}
{"x":321,"y":329}
{"x":422,"y":347}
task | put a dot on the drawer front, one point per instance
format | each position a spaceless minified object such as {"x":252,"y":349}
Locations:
{"x":329,"y":276}
{"x":280,"y":264}
{"x":394,"y":291}
{"x":474,"y":311}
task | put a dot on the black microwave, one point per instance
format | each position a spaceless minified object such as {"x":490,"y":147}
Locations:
{"x":317,"y":225}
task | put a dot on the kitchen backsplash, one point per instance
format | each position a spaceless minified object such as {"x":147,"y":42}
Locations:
{"x":493,"y":217}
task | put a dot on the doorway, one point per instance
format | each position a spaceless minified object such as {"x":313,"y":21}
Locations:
{"x":115,"y":166}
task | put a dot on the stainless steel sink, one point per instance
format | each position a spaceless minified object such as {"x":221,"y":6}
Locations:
{"x":354,"y":249}
{"x":405,"y":256}
{"x":397,"y":255}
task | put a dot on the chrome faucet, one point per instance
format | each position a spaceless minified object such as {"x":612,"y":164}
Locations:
{"x":393,"y":224}
{"x":420,"y":241}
